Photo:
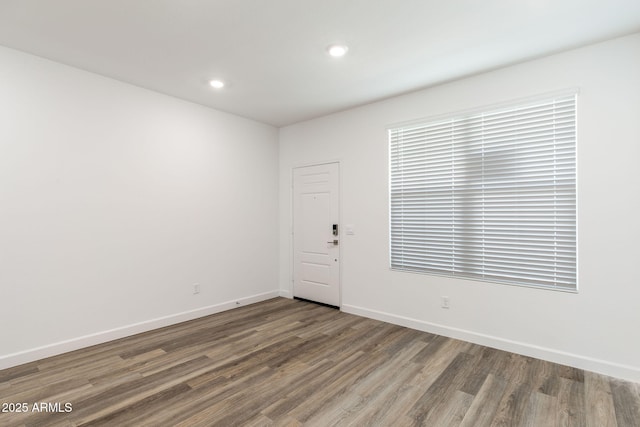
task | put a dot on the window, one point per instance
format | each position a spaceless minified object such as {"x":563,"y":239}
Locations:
{"x":488,"y":195}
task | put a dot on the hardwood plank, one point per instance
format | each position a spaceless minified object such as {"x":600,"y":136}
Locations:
{"x":436,"y":397}
{"x":366,"y":400}
{"x":7,"y":375}
{"x":200,"y":400}
{"x":450,"y":412}
{"x":437,"y":362}
{"x":293,"y":363}
{"x":600,"y":410}
{"x":393,"y":403}
{"x":517,"y":369}
{"x":571,"y":408}
{"x":429,"y":351}
{"x":540,"y":410}
{"x":485,"y":404}
{"x":125,"y":414}
{"x":626,"y":402}
{"x":303,"y":395}
{"x":512,"y":405}
{"x":570,"y":373}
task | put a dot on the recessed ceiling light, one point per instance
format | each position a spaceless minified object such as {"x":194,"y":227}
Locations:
{"x":337,"y":50}
{"x":218,"y":84}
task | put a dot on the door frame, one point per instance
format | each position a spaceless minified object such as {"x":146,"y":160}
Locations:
{"x":290,"y":232}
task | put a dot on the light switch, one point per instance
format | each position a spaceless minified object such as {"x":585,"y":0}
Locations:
{"x":349,"y":229}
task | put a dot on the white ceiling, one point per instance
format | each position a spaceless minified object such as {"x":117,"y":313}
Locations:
{"x":272,"y":53}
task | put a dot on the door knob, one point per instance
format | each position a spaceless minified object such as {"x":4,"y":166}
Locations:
{"x":334,"y":241}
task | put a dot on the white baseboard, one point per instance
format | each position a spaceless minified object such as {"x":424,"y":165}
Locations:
{"x":626,"y":372}
{"x":15,"y":359}
{"x":285,"y":294}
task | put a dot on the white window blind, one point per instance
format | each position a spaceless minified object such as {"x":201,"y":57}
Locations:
{"x":488,"y":196}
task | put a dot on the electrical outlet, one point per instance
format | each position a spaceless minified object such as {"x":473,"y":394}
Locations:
{"x":444,"y":302}
{"x":196,"y":288}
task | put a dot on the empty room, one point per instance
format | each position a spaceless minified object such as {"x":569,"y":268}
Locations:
{"x":319,"y":213}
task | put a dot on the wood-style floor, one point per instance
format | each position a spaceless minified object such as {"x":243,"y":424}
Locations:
{"x":291,"y":363}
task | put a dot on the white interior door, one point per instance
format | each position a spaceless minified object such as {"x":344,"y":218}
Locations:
{"x":316,"y":246}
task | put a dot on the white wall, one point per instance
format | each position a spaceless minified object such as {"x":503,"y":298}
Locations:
{"x":114,"y":200}
{"x":597,"y":328}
